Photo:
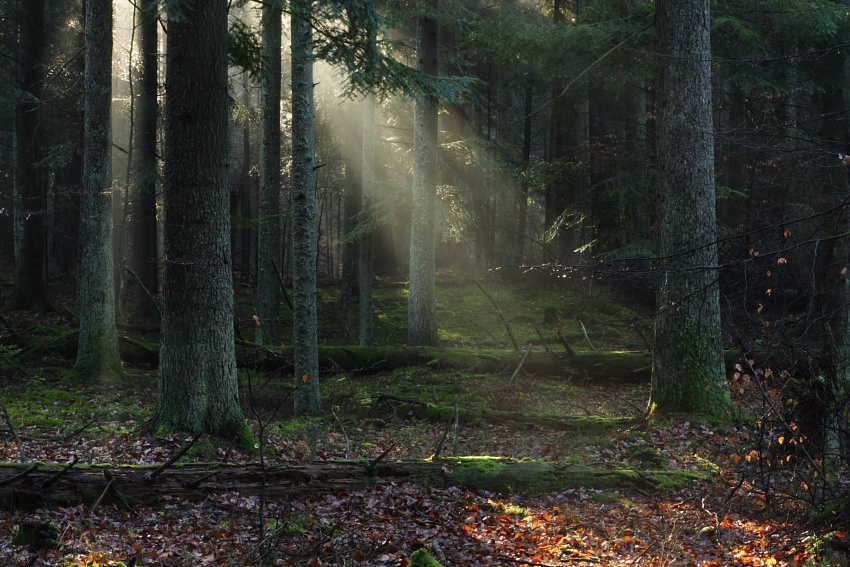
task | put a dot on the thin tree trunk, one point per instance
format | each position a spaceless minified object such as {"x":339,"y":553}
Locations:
{"x":305,"y":340}
{"x":30,"y":286}
{"x":422,"y":310}
{"x":367,"y":191}
{"x":143,"y":218}
{"x":268,"y":257}
{"x":246,"y":233}
{"x":97,"y":354}
{"x":198,"y":389}
{"x":522,"y":190}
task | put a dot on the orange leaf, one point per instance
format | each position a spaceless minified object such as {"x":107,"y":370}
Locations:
{"x":305,"y":378}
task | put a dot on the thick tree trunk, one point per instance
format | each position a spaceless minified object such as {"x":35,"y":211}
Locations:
{"x":269,"y":245}
{"x":197,"y":384}
{"x":145,"y":175}
{"x":422,"y":309}
{"x":97,"y":355}
{"x":30,"y":287}
{"x":688,"y":374}
{"x":307,"y":395}
{"x":48,"y":485}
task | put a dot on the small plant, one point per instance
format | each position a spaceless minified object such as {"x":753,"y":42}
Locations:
{"x":295,"y":526}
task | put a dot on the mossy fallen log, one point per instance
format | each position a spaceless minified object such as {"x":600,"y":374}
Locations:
{"x":28,"y":486}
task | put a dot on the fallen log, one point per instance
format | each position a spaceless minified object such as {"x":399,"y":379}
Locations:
{"x":32,"y":486}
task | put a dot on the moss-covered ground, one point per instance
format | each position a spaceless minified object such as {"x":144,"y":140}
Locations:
{"x":583,"y":425}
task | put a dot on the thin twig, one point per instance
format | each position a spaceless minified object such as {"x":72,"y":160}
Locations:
{"x":344,"y":433}
{"x":19,"y":476}
{"x":145,"y":289}
{"x":105,"y":490}
{"x":456,"y":430}
{"x":283,"y":291}
{"x":570,"y":352}
{"x":593,"y":348}
{"x":371,"y":466}
{"x":182,"y":451}
{"x":46,"y":484}
{"x":500,"y":313}
{"x":8,"y":419}
{"x":521,"y":362}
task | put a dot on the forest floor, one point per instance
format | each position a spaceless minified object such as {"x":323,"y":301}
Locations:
{"x":756,"y":509}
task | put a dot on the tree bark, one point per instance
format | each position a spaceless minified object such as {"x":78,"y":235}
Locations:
{"x":48,"y":485}
{"x":197,"y":383}
{"x":269,"y":245}
{"x":688,"y":374}
{"x":367,"y":191}
{"x":29,"y":290}
{"x":145,"y":174}
{"x":422,"y":309}
{"x":97,"y":355}
{"x":307,"y":395}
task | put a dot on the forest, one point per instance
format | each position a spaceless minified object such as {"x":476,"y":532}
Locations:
{"x":424,"y":282}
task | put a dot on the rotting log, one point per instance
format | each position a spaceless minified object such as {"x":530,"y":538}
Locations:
{"x":604,"y":366}
{"x":28,"y":486}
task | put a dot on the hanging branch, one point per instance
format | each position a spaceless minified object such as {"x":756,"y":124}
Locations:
{"x":521,"y":362}
{"x":286,"y":297}
{"x":174,"y":458}
{"x":499,"y":313}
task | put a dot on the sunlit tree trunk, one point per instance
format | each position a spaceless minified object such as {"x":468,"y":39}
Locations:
{"x":97,"y":353}
{"x":688,"y":373}
{"x":145,"y":174}
{"x":269,"y":245}
{"x":421,"y":308}
{"x":30,"y":287}
{"x":305,"y":341}
{"x":198,"y":388}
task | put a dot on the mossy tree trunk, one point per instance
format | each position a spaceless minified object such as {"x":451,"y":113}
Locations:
{"x":197,"y":481}
{"x":305,"y":341}
{"x":198,"y":389}
{"x":422,"y":308}
{"x":97,"y":353}
{"x":688,"y":373}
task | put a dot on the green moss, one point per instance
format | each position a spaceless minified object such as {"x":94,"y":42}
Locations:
{"x":421,"y":558}
{"x":646,"y":456}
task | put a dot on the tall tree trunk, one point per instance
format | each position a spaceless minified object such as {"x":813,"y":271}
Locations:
{"x":367,"y":190}
{"x":688,"y":372}
{"x":246,"y":233}
{"x":30,"y":287}
{"x":145,"y":175}
{"x":198,"y":388}
{"x":422,"y":309}
{"x":269,"y":253}
{"x":305,"y":340}
{"x":522,"y":190}
{"x":97,"y":353}
{"x":350,"y":247}
{"x":832,"y":300}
